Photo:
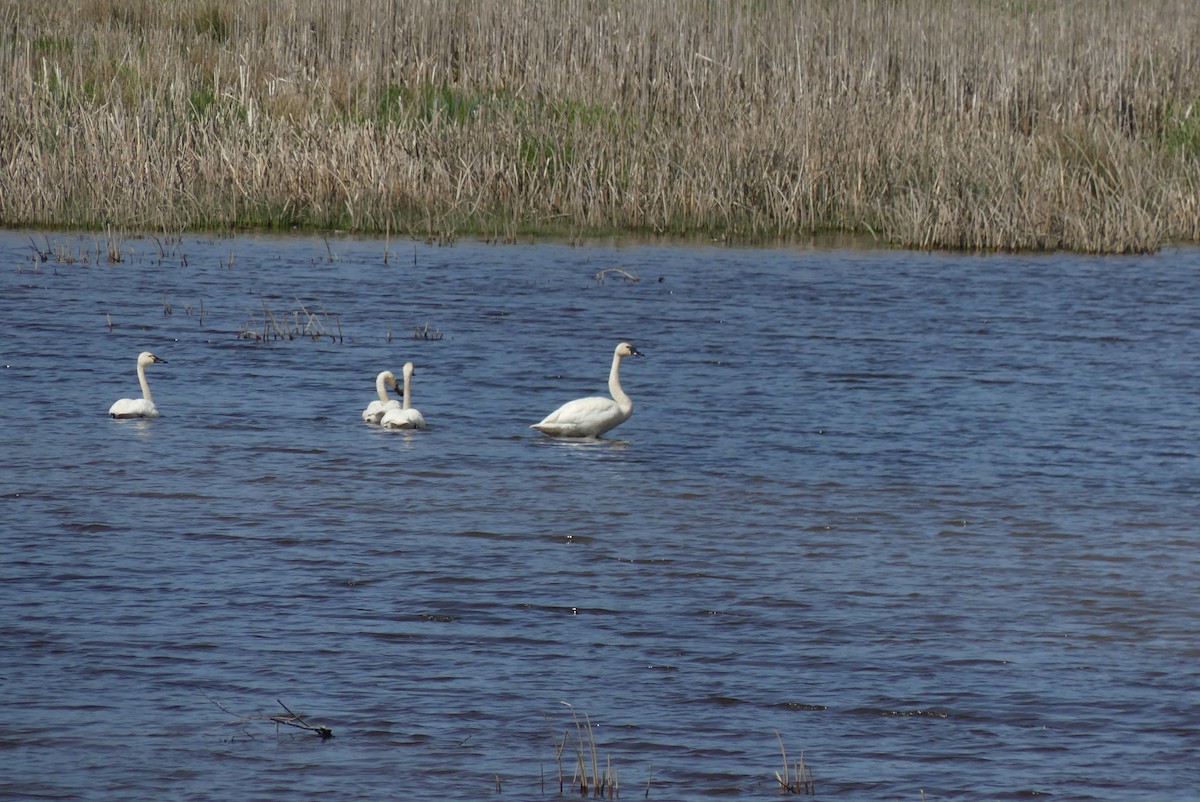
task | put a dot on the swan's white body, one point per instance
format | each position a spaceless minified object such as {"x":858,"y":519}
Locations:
{"x":138,"y":407}
{"x":592,"y":417}
{"x":375,"y":409}
{"x":405,"y":417}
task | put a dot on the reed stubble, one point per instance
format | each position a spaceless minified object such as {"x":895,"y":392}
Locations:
{"x":993,"y":124}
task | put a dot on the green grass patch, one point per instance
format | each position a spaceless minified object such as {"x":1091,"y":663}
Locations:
{"x":52,"y":46}
{"x":397,"y":105}
{"x":212,"y":21}
{"x":199,"y":102}
{"x":1181,"y":130}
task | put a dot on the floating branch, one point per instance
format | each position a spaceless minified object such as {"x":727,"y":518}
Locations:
{"x":426,"y":333}
{"x":797,"y":778}
{"x":291,"y":719}
{"x":618,"y":271}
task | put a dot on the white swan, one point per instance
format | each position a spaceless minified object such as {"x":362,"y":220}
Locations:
{"x":138,"y":407}
{"x":375,"y":409}
{"x":406,"y":417}
{"x":592,"y":417}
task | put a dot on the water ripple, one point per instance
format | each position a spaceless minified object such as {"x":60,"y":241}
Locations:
{"x":927,"y":519}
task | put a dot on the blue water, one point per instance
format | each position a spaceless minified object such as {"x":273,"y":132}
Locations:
{"x":929,"y":520}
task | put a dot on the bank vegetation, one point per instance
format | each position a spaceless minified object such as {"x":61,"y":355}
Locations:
{"x":980,"y":125}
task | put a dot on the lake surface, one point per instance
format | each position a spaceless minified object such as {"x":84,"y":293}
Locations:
{"x":931,"y":518}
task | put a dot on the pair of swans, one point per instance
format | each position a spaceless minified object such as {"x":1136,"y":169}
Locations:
{"x":390,"y":413}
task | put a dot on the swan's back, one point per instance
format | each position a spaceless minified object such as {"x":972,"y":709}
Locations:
{"x":133,"y":408}
{"x":402,"y":419}
{"x":376,"y":409}
{"x":583,"y":417}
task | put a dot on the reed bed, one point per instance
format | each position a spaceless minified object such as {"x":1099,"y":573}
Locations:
{"x":987,"y":124}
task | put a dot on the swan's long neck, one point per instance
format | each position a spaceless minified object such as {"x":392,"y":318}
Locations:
{"x":381,"y":387}
{"x":145,"y":384}
{"x":407,"y":390}
{"x":614,"y":386}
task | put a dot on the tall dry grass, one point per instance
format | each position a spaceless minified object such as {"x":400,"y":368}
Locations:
{"x":988,"y":124}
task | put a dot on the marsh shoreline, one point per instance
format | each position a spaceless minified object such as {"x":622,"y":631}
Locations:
{"x":982,"y":127}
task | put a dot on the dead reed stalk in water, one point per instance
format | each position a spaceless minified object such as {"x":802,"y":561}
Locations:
{"x":425,"y":332}
{"x":587,"y":777}
{"x":292,"y":325}
{"x":797,"y":777}
{"x":115,"y":253}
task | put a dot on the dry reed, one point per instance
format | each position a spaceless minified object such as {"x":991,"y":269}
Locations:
{"x":797,"y":777}
{"x":293,"y":325}
{"x":988,"y":124}
{"x":588,"y":778}
{"x":426,"y":333}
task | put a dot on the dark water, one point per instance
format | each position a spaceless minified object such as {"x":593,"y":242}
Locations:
{"x":931,"y":518}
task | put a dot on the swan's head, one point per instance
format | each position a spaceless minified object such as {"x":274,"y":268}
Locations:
{"x":388,"y":378}
{"x":409,"y":370}
{"x":625,"y":349}
{"x":146,"y":358}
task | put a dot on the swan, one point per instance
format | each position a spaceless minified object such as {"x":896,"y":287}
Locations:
{"x":405,"y":417}
{"x":138,"y":407}
{"x":592,"y":417}
{"x":375,"y":409}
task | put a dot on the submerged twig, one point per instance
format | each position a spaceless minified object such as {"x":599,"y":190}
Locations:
{"x":292,"y":719}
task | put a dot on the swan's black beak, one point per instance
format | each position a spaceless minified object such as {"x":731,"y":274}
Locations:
{"x":635,"y":351}
{"x":157,"y":359}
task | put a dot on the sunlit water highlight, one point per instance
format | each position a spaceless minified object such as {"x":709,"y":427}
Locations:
{"x":931,"y":518}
